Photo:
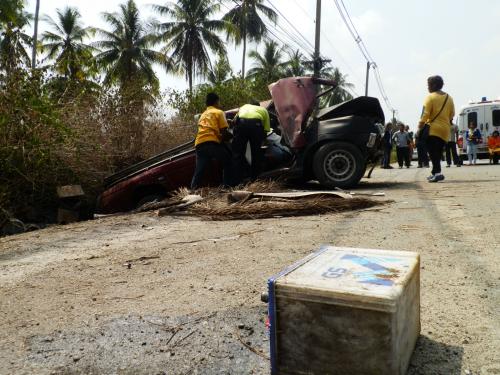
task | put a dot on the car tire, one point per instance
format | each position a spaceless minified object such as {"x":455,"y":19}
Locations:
{"x":149,"y":198}
{"x":339,"y":164}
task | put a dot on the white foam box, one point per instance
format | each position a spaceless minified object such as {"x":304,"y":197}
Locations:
{"x":344,"y":311}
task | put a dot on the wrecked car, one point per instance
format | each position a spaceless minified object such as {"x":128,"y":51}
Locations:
{"x":333,"y":145}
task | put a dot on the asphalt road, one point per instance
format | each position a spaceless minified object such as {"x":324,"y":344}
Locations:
{"x":189,"y":301}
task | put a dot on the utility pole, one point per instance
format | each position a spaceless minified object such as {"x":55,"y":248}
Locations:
{"x":317,"y":55}
{"x":35,"y":35}
{"x":368,"y":66}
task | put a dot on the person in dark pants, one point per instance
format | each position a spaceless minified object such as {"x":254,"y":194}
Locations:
{"x":251,"y":125}
{"x":423,"y":157}
{"x":438,"y":112}
{"x":402,"y":140}
{"x":212,"y":131}
{"x":451,"y":147}
{"x":387,"y":142}
{"x":411,"y":144}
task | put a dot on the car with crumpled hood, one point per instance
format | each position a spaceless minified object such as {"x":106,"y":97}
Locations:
{"x":333,"y":145}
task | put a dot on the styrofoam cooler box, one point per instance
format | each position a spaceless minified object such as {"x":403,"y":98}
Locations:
{"x":344,"y":311}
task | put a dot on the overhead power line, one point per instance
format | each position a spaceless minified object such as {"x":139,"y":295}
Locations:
{"x":292,"y":25}
{"x":346,"y":18}
{"x":295,"y":38}
{"x":284,"y":36}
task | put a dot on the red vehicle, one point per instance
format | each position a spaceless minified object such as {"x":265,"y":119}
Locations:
{"x":333,"y":145}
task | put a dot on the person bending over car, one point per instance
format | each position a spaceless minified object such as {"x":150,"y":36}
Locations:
{"x":252,"y":123}
{"x":212,"y":132}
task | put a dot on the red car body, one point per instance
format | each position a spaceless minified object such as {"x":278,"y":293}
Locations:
{"x":304,"y":129}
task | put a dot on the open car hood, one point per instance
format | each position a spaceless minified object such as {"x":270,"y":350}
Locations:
{"x":294,"y":100}
{"x":361,"y":106}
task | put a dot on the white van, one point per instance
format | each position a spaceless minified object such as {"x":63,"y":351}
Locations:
{"x":486,"y":115}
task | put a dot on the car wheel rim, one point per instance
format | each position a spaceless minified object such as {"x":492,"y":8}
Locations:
{"x":339,"y":165}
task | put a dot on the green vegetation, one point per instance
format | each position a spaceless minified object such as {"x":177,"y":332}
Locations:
{"x":246,"y":24}
{"x":93,"y":103}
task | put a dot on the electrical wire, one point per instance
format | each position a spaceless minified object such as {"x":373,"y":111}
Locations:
{"x":330,"y":43}
{"x":297,"y":39}
{"x":346,"y":18}
{"x":291,"y":24}
{"x":285,"y":37}
{"x":309,"y":43}
{"x":355,"y":30}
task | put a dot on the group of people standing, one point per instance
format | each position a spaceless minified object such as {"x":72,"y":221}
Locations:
{"x":250,"y":125}
{"x":403,"y":139}
{"x":436,"y":134}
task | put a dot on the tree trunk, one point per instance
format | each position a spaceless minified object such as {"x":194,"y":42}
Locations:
{"x":35,"y":35}
{"x":190,"y":79}
{"x":244,"y":55}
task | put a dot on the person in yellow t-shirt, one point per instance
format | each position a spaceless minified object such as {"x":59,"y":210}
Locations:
{"x":438,"y":112}
{"x":212,"y":131}
{"x":252,"y":123}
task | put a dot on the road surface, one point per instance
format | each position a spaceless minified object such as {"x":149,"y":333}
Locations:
{"x":138,"y":294}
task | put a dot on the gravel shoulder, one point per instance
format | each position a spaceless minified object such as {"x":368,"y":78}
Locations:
{"x":190,"y":300}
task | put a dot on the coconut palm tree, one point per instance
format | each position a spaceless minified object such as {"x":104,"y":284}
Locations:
{"x":190,"y":34}
{"x":220,"y":72}
{"x":9,"y":11}
{"x":65,"y":44}
{"x":13,"y":39}
{"x":126,"y":51}
{"x":341,"y":92}
{"x":297,"y":65}
{"x":247,"y":25}
{"x":35,"y":35}
{"x":268,"y":66}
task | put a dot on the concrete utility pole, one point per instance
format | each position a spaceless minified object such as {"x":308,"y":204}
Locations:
{"x":317,"y":55}
{"x":368,"y":66}
{"x":35,"y":35}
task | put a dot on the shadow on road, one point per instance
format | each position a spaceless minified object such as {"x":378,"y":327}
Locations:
{"x":433,"y":357}
{"x":368,"y":185}
{"x":452,"y":181}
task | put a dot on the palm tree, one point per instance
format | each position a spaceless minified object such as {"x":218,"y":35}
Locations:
{"x":35,"y":35}
{"x":221,"y":71}
{"x":13,"y":39}
{"x":126,"y":55}
{"x":190,"y":34}
{"x":9,"y":11}
{"x":341,"y":92}
{"x":269,"y":66}
{"x":65,"y":44}
{"x":248,"y":24}
{"x":297,"y":65}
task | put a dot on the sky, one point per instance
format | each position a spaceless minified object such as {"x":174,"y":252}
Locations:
{"x":409,"y":41}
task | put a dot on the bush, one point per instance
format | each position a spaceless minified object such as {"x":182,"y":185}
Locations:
{"x":31,"y":134}
{"x":57,"y":132}
{"x":233,"y":93}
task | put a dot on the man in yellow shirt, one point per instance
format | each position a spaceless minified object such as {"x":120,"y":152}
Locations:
{"x":212,"y":131}
{"x":438,"y":112}
{"x":251,"y":126}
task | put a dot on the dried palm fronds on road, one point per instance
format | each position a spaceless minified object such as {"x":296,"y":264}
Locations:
{"x":259,"y":208}
{"x":258,"y":200}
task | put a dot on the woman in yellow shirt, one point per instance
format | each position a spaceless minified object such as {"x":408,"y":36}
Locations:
{"x":438,"y":111}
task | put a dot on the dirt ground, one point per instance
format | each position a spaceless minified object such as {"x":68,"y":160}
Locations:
{"x":139,"y":294}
